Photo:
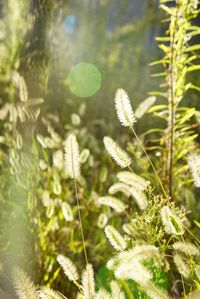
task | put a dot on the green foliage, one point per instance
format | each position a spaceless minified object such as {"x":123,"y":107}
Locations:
{"x":49,"y":212}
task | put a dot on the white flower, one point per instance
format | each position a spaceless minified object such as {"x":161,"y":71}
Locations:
{"x":124,"y":109}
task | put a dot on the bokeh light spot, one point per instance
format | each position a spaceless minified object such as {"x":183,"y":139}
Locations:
{"x":84,"y":80}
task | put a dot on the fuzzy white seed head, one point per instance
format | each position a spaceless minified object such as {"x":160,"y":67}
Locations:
{"x":119,"y":187}
{"x":103,"y":294}
{"x":117,"y":293}
{"x":140,"y":198}
{"x":88,"y":282}
{"x":67,"y":212}
{"x":72,"y":156}
{"x":144,"y":106}
{"x":133,"y":270}
{"x":102,"y":220}
{"x":112,"y":202}
{"x":115,"y":238}
{"x":172,"y":224}
{"x":194,"y":164}
{"x":186,"y":248}
{"x":154,"y":292}
{"x":68,"y":267}
{"x":124,"y":109}
{"x":46,"y":293}
{"x":181,"y":265}
{"x":24,"y":287}
{"x":119,"y":155}
{"x":138,"y":253}
{"x":133,"y":180}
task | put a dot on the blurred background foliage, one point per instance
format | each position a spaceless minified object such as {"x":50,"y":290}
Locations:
{"x":43,"y":41}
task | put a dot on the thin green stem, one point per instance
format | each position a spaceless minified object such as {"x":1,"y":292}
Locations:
{"x":80,"y":221}
{"x":150,"y":162}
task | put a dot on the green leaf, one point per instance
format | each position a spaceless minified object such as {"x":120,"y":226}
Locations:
{"x":162,"y":61}
{"x":167,"y":9}
{"x":157,"y":108}
{"x":163,"y":38}
{"x":193,"y":48}
{"x":163,"y":74}
{"x":197,"y":223}
{"x":193,"y":68}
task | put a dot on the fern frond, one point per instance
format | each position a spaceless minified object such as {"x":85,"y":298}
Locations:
{"x":123,"y":108}
{"x":72,"y":156}
{"x":115,"y":238}
{"x":119,"y":155}
{"x":88,"y":282}
{"x":68,"y":267}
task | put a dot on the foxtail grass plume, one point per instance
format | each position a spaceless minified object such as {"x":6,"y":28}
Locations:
{"x":68,"y":267}
{"x":144,"y":106}
{"x":181,"y":265}
{"x":116,"y":290}
{"x":119,"y":155}
{"x":102,"y":220}
{"x":154,"y":292}
{"x":112,"y":202}
{"x":133,"y":270}
{"x":123,"y":108}
{"x":186,"y":248}
{"x":72,"y":156}
{"x":194,"y":164}
{"x":103,"y":294}
{"x":116,"y":240}
{"x":46,"y":293}
{"x":67,"y":212}
{"x":172,"y":224}
{"x":24,"y":287}
{"x":138,"y":253}
{"x":132,"y":179}
{"x":88,"y":282}
{"x":119,"y":187}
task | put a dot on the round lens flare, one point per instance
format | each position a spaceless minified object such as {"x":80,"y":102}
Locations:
{"x":84,"y":80}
